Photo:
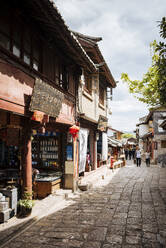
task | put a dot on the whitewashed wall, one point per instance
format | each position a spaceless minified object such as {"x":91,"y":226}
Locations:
{"x":89,"y":103}
{"x":143,"y":129}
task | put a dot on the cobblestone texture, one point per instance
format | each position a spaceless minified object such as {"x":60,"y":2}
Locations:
{"x":130,"y":211}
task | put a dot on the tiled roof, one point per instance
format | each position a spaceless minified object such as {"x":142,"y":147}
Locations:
{"x":92,"y":41}
{"x":46,"y":13}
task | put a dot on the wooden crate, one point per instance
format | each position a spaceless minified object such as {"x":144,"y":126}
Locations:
{"x":43,"y":189}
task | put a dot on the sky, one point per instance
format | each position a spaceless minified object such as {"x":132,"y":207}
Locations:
{"x":127,"y":28}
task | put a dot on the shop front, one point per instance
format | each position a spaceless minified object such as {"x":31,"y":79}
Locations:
{"x":34,"y":148}
{"x":87,"y":146}
{"x":50,"y":146}
{"x":10,"y":162}
{"x":46,"y":163}
{"x":102,"y":143}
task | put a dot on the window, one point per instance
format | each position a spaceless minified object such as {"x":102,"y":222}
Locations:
{"x":101,"y":95}
{"x":60,"y":75}
{"x":35,"y":54}
{"x":27,"y":48}
{"x":16,"y":37}
{"x":4,"y":32}
{"x":64,"y":77}
{"x":88,"y":82}
{"x":57,"y":71}
{"x":163,"y":143}
{"x":155,"y":145}
{"x":17,"y":31}
{"x":115,"y":135}
{"x":22,"y":41}
{"x":49,"y":63}
{"x":4,"y":41}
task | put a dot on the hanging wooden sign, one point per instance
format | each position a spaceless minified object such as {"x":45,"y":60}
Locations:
{"x":46,"y":99}
{"x":102,"y":123}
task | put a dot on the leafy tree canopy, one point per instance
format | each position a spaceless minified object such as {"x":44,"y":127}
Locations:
{"x":128,"y":135}
{"x":161,"y":63}
{"x":152,"y":88}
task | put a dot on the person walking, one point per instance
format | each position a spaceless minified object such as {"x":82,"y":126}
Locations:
{"x":130,"y":153}
{"x":133,"y":153}
{"x":126,"y":153}
{"x":138,"y":157}
{"x":147,"y":158}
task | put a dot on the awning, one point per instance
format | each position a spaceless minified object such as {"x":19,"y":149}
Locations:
{"x":131,"y":143}
{"x":114,"y":143}
{"x":146,"y":135}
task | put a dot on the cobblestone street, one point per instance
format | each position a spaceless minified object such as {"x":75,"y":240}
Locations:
{"x":130,"y":211}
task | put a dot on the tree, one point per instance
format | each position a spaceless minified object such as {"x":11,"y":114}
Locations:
{"x":152,"y":88}
{"x":161,"y":63}
{"x":127,"y":135}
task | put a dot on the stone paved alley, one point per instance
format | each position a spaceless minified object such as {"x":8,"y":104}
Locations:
{"x":130,"y":211}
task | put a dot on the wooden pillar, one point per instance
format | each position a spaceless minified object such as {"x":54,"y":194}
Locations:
{"x":75,"y":175}
{"x":27,"y":158}
{"x":95,"y":154}
{"x":91,"y":140}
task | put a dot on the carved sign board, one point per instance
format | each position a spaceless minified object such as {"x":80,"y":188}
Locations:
{"x":102,"y":124}
{"x":46,"y":99}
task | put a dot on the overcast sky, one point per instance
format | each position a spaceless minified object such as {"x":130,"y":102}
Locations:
{"x":127,"y":28}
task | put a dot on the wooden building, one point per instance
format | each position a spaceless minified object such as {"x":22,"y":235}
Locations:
{"x":152,"y":134}
{"x":92,"y":105}
{"x":40,"y":66}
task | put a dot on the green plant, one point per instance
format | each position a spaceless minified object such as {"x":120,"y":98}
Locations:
{"x":26,"y":203}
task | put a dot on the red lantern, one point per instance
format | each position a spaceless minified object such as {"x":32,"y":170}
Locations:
{"x":74,"y":131}
{"x":37,"y":116}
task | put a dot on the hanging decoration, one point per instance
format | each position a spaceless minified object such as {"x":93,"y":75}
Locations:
{"x":74,"y":131}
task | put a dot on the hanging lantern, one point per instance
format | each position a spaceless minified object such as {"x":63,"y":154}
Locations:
{"x":37,"y":116}
{"x":74,"y":131}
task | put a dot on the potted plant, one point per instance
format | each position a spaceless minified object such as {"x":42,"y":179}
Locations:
{"x":25,"y":205}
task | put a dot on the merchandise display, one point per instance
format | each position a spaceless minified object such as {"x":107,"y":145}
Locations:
{"x":45,"y":151}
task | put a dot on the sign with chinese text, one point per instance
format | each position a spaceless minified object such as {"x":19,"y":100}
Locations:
{"x":46,"y":99}
{"x":102,"y":124}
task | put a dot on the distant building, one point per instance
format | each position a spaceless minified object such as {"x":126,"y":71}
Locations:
{"x":151,"y":132}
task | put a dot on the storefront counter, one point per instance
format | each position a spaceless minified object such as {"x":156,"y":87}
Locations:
{"x":45,"y":186}
{"x":9,"y":177}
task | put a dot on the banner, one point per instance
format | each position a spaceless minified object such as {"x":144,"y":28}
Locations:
{"x":104,"y":146}
{"x":83,"y":139}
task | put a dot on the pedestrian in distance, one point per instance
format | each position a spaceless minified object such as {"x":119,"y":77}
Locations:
{"x":130,"y":154}
{"x":138,"y":157}
{"x":133,"y":153}
{"x":126,"y":153}
{"x":147,"y":158}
